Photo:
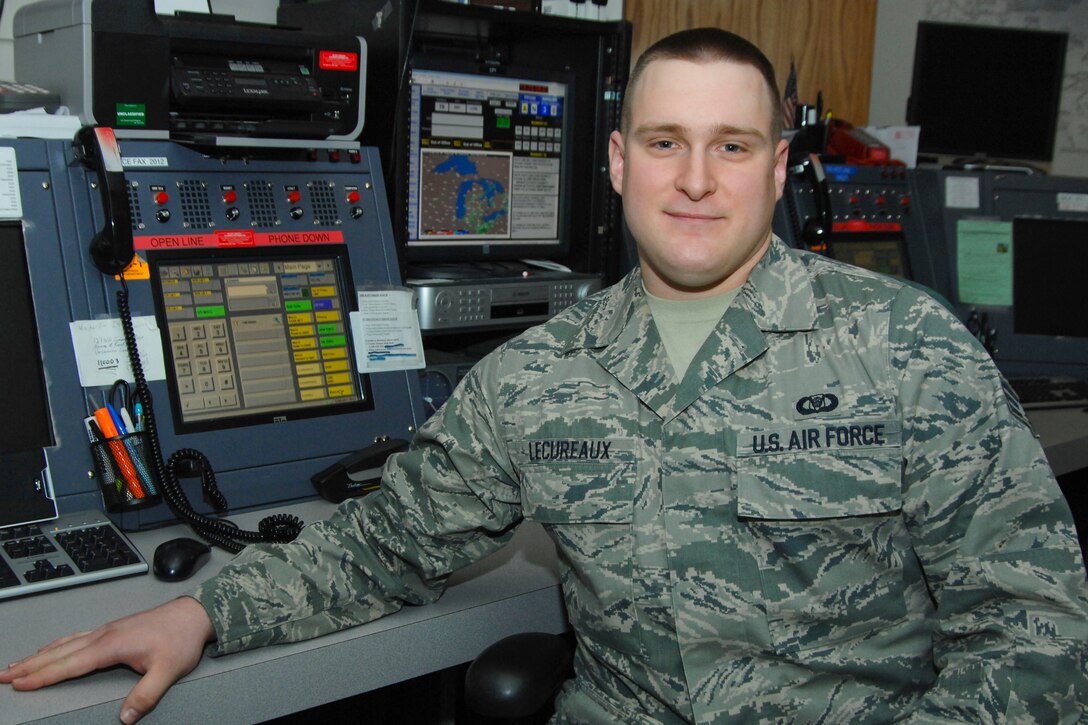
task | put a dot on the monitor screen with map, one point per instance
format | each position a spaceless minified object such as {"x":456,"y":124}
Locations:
{"x":488,"y":168}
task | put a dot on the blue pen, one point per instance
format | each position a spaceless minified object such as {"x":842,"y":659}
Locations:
{"x":139,"y":410}
{"x":117,"y":422}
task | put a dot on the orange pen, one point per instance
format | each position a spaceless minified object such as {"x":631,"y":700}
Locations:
{"x":117,"y":447}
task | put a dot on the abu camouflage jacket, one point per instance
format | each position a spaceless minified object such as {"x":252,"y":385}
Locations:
{"x":837,"y":516}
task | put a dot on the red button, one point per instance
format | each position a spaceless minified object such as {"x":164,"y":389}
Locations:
{"x":230,"y":197}
{"x":353,"y":196}
{"x":293,"y":197}
{"x":161,"y":197}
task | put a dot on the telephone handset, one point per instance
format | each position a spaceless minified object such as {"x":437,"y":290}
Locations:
{"x":815,"y":231}
{"x":111,"y":249}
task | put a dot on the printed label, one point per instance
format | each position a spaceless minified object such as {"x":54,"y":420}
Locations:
{"x":338,"y":60}
{"x":131,"y":114}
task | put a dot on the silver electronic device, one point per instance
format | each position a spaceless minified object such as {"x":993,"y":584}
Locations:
{"x":502,"y":302}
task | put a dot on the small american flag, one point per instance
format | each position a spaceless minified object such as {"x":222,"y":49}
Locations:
{"x":789,"y":98}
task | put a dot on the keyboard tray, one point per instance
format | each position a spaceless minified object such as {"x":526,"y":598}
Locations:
{"x":1050,"y":392}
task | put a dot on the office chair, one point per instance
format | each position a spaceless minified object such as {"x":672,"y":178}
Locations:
{"x":515,"y":679}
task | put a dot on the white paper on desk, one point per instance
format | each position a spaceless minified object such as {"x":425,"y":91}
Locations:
{"x":36,"y":123}
{"x":902,"y":142}
{"x":11,"y":202}
{"x":101,"y":355}
{"x":386,"y":331}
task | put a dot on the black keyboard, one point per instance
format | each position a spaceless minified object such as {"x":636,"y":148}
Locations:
{"x":75,"y":549}
{"x":1050,"y":392}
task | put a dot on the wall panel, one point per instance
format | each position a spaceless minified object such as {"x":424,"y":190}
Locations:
{"x":830,"y":41}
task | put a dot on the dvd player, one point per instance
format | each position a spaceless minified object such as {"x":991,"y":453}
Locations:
{"x":460,"y":304}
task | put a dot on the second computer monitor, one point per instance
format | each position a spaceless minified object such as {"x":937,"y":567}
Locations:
{"x":489,"y":162}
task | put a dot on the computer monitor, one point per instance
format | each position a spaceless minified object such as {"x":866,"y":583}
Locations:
{"x":1049,"y":295}
{"x":876,"y":251}
{"x":26,"y":429}
{"x":488,"y":173}
{"x":22,"y":383}
{"x":986,"y":91}
{"x":257,"y":338}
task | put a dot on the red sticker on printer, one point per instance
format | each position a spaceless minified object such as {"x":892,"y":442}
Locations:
{"x":338,"y":60}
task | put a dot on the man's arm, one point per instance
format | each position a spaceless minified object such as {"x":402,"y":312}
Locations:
{"x":448,"y":501}
{"x":992,"y":531}
{"x":162,"y":644}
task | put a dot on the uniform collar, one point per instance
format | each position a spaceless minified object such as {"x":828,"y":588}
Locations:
{"x":620,"y":332}
{"x":778,"y":297}
{"x":778,"y":293}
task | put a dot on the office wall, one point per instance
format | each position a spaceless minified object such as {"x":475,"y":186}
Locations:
{"x":894,"y":57}
{"x":830,"y":41}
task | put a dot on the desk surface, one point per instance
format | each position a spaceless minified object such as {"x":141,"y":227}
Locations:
{"x":1064,"y":435}
{"x":515,"y":590}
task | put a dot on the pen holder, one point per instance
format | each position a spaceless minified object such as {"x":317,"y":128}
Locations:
{"x":124,"y":476}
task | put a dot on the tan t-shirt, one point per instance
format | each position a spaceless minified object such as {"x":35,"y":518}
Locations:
{"x":684,"y":325}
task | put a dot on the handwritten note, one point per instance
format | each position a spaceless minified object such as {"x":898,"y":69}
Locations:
{"x":101,"y":355}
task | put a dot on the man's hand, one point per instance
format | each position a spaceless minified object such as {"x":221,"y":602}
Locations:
{"x":162,"y":644}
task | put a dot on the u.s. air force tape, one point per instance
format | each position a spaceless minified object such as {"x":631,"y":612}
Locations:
{"x":840,"y":435}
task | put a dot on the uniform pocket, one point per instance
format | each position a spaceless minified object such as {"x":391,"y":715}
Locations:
{"x":831,"y":545}
{"x":587,"y":508}
{"x":558,"y":493}
{"x":819,"y":471}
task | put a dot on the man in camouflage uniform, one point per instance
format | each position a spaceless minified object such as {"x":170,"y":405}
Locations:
{"x":829,"y":511}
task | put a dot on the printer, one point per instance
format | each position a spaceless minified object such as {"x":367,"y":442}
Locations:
{"x":191,"y":76}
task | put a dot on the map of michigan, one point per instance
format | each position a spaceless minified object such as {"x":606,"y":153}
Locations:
{"x":465,"y":193}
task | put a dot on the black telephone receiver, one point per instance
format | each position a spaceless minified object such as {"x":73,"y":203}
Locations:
{"x":111,"y":249}
{"x":817,"y":230}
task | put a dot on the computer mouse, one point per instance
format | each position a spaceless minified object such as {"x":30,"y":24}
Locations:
{"x":178,"y":559}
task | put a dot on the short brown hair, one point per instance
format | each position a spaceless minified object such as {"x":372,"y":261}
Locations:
{"x":704,"y":45}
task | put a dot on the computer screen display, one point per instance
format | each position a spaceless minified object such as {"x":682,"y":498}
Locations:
{"x":22,"y":383}
{"x":986,"y":91}
{"x":488,"y":168}
{"x":257,"y":337}
{"x":1048,"y":289}
{"x":877,"y":252}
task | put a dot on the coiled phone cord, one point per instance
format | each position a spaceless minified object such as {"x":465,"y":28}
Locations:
{"x":221,"y":532}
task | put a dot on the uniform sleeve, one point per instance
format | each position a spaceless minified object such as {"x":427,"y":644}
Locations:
{"x":447,"y":501}
{"x":992,"y":531}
